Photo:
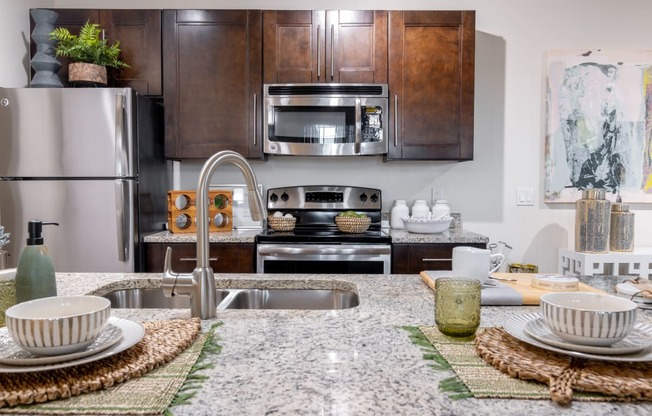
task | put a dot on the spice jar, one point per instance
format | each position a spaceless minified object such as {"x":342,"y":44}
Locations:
{"x":621,"y":233}
{"x":592,"y":222}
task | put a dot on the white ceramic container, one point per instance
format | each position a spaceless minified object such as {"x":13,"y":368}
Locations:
{"x":426,"y":225}
{"x":59,"y":324}
{"x":588,"y":318}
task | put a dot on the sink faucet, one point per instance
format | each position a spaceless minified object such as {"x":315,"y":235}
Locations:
{"x":200,"y":284}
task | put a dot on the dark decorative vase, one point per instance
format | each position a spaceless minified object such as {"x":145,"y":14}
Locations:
{"x":44,"y":61}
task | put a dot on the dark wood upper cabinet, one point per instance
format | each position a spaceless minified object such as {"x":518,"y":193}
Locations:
{"x":139,"y":33}
{"x":339,"y":46}
{"x":212,"y":73}
{"x":431,"y":84}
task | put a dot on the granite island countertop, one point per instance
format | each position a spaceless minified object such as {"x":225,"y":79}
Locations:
{"x":347,"y":362}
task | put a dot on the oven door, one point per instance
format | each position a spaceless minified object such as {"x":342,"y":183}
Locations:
{"x":326,"y":126}
{"x":324,"y":258}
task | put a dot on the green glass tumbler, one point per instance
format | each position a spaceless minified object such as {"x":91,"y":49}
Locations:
{"x":457,"y":306}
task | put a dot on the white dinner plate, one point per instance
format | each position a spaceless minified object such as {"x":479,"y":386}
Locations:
{"x":639,"y":339}
{"x":12,"y":354}
{"x":132,"y":332}
{"x":515,"y":326}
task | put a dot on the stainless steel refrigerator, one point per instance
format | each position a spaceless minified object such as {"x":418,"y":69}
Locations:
{"x":89,"y":159}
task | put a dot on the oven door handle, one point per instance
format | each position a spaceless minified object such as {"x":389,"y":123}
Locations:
{"x":277,"y":249}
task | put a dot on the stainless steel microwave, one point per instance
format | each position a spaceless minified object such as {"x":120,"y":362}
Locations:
{"x":325,"y":119}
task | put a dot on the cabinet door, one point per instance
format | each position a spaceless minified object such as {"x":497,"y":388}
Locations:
{"x":302,"y":46}
{"x":356,"y":46}
{"x":212,"y":75}
{"x":223,"y":258}
{"x":431,"y":84}
{"x":139,"y":33}
{"x":293,"y":46}
{"x":400,"y":258}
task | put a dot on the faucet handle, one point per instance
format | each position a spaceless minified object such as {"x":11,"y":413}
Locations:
{"x":169,"y":276}
{"x":176,"y":283}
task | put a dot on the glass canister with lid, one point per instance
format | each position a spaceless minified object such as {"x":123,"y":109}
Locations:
{"x":621,"y":233}
{"x":592,"y":222}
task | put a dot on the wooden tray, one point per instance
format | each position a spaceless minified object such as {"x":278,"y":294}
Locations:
{"x":531,"y":295}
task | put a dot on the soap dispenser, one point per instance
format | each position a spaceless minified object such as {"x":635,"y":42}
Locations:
{"x":35,"y":272}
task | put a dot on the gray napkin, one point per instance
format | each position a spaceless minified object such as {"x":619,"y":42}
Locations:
{"x":493,"y":293}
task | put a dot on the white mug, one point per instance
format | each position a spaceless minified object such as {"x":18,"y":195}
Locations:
{"x":475,"y":263}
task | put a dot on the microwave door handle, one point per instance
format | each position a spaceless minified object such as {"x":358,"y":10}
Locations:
{"x":358,"y":125}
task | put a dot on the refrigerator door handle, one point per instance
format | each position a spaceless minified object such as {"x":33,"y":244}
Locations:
{"x":122,"y":218}
{"x":120,"y":137}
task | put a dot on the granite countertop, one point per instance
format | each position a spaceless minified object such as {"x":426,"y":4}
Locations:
{"x":453,"y":235}
{"x":347,"y":362}
{"x":235,"y":236}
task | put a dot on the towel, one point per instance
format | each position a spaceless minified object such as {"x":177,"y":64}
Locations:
{"x":493,"y":293}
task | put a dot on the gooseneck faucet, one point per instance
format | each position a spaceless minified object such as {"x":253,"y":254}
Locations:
{"x":200,"y":284}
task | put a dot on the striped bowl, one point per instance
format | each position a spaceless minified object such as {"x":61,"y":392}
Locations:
{"x":588,"y":318}
{"x":57,"y":325}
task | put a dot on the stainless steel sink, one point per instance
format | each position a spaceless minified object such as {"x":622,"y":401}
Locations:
{"x":151,"y":298}
{"x":305,"y":299}
{"x":308,"y":299}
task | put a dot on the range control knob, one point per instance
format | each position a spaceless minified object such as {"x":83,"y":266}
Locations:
{"x":363,"y":197}
{"x":284,"y":197}
{"x":374,"y":198}
{"x":273,"y":197}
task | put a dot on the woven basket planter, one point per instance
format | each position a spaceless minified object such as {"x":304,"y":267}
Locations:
{"x":281,"y":223}
{"x":352,"y":225}
{"x":81,"y":73}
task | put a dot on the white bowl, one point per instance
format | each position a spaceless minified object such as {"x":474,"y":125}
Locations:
{"x":59,"y":324}
{"x":421,"y":225}
{"x":588,"y":318}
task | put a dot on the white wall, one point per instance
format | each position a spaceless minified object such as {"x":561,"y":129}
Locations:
{"x":512,"y":36}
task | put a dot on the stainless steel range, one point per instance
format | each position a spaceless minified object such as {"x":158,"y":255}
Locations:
{"x":316,"y":246}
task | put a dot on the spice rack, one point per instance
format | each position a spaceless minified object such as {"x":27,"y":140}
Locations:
{"x":182,"y":211}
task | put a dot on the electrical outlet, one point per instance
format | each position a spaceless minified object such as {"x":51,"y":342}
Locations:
{"x":437,"y":193}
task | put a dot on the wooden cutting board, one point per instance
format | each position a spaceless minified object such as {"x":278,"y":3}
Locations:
{"x":531,"y":295}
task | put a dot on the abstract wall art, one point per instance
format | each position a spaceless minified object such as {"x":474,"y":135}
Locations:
{"x":598,"y":124}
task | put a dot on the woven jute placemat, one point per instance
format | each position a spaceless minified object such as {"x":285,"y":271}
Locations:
{"x":564,"y":374}
{"x":136,"y":382}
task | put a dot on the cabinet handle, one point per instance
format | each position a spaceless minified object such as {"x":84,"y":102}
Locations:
{"x":332,"y":52}
{"x":318,"y":53}
{"x":255,"y":115}
{"x":436,"y":259}
{"x":193,"y":259}
{"x":395,"y":120}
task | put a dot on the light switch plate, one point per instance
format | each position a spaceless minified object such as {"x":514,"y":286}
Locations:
{"x":525,"y":196}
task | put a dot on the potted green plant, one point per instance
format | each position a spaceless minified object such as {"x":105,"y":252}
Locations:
{"x":90,"y":54}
